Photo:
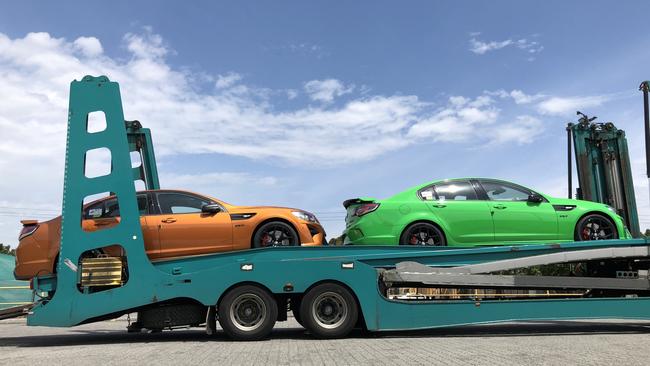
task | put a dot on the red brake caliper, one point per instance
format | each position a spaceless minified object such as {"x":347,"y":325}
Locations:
{"x":585,"y":233}
{"x":265,"y":239}
{"x":414,"y":239}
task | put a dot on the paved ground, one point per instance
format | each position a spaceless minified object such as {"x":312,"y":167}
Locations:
{"x":552,"y":343}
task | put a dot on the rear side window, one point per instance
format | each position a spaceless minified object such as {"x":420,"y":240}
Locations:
{"x":110,"y":208}
{"x":450,"y":191}
{"x":427,"y":194}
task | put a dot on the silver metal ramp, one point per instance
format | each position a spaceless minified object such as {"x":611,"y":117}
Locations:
{"x":477,"y":275}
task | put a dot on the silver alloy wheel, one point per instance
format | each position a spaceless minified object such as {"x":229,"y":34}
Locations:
{"x":248,"y":312}
{"x":329,"y":310}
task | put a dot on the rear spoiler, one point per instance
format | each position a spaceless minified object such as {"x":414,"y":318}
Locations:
{"x":356,"y":201}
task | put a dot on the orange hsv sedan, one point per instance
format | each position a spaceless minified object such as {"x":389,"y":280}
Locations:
{"x":174,"y":224}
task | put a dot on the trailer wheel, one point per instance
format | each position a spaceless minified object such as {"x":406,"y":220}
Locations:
{"x":329,"y":311}
{"x":247,"y":313}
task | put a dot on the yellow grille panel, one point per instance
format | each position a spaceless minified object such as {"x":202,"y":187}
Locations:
{"x":105,"y":271}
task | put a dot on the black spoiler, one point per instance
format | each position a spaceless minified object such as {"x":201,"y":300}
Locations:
{"x":356,"y":201}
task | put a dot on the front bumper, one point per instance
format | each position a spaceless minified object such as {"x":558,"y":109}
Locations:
{"x":311,"y":234}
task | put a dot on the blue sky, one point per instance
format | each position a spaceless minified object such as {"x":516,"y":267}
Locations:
{"x":306,"y":104}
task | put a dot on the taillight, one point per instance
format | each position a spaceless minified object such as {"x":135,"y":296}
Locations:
{"x":31,"y":283}
{"x":365,"y":208}
{"x":27,"y":231}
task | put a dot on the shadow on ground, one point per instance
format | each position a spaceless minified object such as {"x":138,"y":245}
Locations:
{"x":77,"y":337}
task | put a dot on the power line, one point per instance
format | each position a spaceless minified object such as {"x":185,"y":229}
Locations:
{"x":29,"y":209}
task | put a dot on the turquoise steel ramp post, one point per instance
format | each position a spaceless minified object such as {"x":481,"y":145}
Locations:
{"x":69,"y":306}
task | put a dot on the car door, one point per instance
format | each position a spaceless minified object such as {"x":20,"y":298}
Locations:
{"x":106,"y":213}
{"x":185,"y":230}
{"x":517,"y":219}
{"x":457,"y":207}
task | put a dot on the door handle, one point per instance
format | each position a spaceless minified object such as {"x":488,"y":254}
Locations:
{"x":500,"y":207}
{"x":168,"y":220}
{"x":439,"y":205}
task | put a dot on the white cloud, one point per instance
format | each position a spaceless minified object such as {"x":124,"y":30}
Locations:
{"x":147,"y":45}
{"x":292,"y":94}
{"x":326,"y":90}
{"x":568,"y":105}
{"x":227,"y":80}
{"x":480,"y":47}
{"x":522,"y":131}
{"x":89,"y":46}
{"x":460,"y":120}
{"x":187,"y":118}
{"x":522,"y":98}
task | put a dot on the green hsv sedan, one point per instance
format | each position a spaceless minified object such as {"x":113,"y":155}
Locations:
{"x":475,"y":212}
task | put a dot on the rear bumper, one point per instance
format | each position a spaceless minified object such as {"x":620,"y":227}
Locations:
{"x":28,"y":270}
{"x":360,"y":235}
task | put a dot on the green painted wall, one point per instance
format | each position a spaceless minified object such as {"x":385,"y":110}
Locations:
{"x":8,"y":297}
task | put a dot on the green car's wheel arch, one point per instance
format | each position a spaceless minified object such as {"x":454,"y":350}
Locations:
{"x":423,"y":233}
{"x":595,"y":226}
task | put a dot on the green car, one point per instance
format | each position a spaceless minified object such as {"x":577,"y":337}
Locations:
{"x":474,"y":212}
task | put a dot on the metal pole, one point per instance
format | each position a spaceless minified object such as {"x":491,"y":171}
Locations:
{"x":568,"y":159}
{"x":646,"y":116}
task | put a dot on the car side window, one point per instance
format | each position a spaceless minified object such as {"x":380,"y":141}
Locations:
{"x":110,"y":208}
{"x":427,"y":194}
{"x":504,"y":192}
{"x":178,"y":203}
{"x":94,"y":211}
{"x":455,"y":191}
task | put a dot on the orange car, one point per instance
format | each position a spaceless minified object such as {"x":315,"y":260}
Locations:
{"x":174,"y":223}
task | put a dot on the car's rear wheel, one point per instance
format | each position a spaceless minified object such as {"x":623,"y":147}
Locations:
{"x":423,"y":233}
{"x":275,"y":234}
{"x":595,"y":227}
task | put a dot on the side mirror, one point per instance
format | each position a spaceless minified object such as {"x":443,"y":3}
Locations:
{"x":211,"y":209}
{"x":535,"y":198}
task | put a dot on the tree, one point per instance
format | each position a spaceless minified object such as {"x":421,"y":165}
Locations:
{"x":6,"y":249}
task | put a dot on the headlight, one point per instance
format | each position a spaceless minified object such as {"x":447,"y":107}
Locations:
{"x":305,"y":216}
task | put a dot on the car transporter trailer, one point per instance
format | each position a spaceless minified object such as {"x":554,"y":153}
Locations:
{"x":330,"y":290}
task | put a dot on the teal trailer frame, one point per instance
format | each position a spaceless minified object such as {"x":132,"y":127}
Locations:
{"x":282,"y":271}
{"x":604,"y":169}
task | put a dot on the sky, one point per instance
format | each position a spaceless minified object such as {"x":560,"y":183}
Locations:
{"x":306,"y":104}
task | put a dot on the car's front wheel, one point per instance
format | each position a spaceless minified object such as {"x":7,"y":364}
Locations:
{"x":423,"y":233}
{"x":275,"y":234}
{"x":595,"y":227}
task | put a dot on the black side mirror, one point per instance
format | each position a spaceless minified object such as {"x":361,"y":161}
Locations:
{"x":535,"y":198}
{"x":211,"y":209}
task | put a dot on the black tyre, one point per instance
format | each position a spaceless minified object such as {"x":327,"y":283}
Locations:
{"x":247,"y":313}
{"x":329,"y":311}
{"x":423,"y":233}
{"x":275,"y":234}
{"x":595,"y":227}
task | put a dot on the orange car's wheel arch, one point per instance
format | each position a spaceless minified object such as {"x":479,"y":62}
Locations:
{"x":271,"y":220}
